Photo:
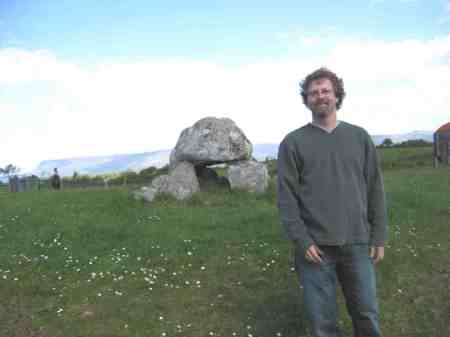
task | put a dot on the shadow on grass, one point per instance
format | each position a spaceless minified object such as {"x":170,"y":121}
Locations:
{"x":280,"y":315}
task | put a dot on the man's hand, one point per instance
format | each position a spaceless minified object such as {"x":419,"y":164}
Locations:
{"x":314,"y":254}
{"x":377,"y":253}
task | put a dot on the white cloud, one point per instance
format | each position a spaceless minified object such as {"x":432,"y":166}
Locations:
{"x":134,"y":107}
{"x":302,"y":38}
{"x":18,"y":66}
{"x":310,"y":41}
{"x":405,"y":83}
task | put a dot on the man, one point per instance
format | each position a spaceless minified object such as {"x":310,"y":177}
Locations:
{"x":55,"y":180}
{"x":332,"y":204}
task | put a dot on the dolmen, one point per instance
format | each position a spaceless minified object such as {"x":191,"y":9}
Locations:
{"x":210,"y":141}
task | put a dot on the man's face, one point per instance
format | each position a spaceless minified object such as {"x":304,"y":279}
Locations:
{"x":320,"y":98}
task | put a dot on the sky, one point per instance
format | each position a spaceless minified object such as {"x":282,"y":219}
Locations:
{"x":86,"y":78}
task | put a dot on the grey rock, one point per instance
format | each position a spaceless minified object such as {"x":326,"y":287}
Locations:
{"x":248,"y":175}
{"x":211,"y":141}
{"x":181,"y":183}
{"x":161,"y":183}
{"x":145,"y":193}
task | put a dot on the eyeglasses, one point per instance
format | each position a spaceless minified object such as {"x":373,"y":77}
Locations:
{"x":315,"y":93}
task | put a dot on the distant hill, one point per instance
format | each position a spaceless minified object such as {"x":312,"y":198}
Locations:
{"x":139,"y":161}
{"x":414,"y":135}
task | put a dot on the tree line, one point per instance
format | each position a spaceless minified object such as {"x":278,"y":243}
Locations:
{"x":387,"y":142}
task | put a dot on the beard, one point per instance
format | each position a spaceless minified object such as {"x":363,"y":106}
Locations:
{"x":322,"y":110}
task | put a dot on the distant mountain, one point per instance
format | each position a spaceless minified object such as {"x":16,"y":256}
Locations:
{"x":123,"y":162}
{"x":104,"y":164}
{"x":139,"y":161}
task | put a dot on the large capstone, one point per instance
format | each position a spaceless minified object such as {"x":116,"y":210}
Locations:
{"x":211,"y":141}
{"x":248,"y":175}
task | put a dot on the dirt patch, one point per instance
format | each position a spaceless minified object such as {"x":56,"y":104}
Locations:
{"x":84,"y":311}
{"x":15,"y":321}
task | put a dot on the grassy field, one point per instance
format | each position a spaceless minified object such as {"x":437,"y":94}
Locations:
{"x":94,"y":262}
{"x":407,"y":157}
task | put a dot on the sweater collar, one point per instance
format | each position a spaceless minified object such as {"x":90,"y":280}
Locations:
{"x":324,"y":129}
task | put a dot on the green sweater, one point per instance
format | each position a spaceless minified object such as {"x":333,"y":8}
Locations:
{"x":330,"y":188}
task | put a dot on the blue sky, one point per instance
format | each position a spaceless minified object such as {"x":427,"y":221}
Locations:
{"x":95,"y":31}
{"x":103,"y":77}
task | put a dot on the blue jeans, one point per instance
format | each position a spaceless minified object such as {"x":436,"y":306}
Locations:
{"x":352,"y":267}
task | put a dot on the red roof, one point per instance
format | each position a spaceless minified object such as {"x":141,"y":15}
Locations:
{"x":444,"y":128}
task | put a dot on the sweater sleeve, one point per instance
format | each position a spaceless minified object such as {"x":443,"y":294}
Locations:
{"x":376,"y":200}
{"x":288,"y":197}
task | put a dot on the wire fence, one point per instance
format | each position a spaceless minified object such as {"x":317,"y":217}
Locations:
{"x":34,"y":183}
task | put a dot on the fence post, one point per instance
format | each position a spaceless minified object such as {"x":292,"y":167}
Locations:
{"x":13,"y":182}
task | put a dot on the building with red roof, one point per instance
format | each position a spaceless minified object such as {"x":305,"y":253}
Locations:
{"x":441,"y":147}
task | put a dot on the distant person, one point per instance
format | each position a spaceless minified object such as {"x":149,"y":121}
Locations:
{"x":55,"y":180}
{"x":332,"y":203}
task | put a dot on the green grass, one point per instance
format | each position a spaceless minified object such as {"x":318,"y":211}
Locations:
{"x":95,"y":262}
{"x":407,"y":157}
{"x":3,"y":188}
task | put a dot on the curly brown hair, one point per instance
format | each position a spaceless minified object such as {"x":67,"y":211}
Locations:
{"x":338,"y":84}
